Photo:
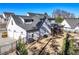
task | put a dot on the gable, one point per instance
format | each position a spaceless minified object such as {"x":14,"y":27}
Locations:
{"x":65,"y":24}
{"x":11,"y":23}
{"x":77,"y":27}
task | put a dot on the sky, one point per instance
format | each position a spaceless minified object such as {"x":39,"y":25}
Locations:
{"x":23,"y":8}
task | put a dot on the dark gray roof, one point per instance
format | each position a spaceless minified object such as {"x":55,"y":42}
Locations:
{"x":33,"y":14}
{"x":35,"y":25}
{"x":18,"y":21}
{"x":73,"y":22}
{"x":39,"y":14}
{"x":37,"y":21}
{"x":8,"y":13}
{"x":51,"y":18}
{"x":25,"y":17}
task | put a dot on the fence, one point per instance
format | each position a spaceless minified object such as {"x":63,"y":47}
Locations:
{"x":6,"y":49}
{"x":8,"y":45}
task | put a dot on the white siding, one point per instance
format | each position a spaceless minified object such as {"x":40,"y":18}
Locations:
{"x":52,"y":22}
{"x":76,"y":29}
{"x":67,"y":27}
{"x":44,"y":29}
{"x":35,"y":35}
{"x":47,"y":28}
{"x":14,"y":31}
{"x":4,"y":16}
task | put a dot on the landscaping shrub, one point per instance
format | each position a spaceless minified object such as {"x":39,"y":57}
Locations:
{"x":21,"y":48}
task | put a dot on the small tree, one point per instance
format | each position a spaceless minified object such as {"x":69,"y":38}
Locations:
{"x":21,"y":48}
{"x":58,"y":19}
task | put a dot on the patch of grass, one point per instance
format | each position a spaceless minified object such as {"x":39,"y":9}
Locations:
{"x":71,"y":47}
{"x":21,"y":48}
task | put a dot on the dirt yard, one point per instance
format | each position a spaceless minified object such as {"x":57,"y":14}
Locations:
{"x":36,"y":47}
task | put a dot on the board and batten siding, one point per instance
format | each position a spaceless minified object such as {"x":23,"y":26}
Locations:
{"x":15,"y":31}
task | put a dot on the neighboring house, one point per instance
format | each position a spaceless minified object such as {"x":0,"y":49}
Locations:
{"x":6,"y":15}
{"x":29,"y":27}
{"x":1,"y":17}
{"x":3,"y":26}
{"x":3,"y":31}
{"x":13,"y":26}
{"x":71,"y":24}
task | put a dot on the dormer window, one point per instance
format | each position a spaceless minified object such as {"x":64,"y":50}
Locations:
{"x":28,"y":20}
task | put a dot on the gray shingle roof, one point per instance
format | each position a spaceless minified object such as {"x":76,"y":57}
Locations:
{"x":8,"y":13}
{"x":40,"y":15}
{"x":35,"y":25}
{"x":38,"y":20}
{"x":73,"y":22}
{"x":33,"y":14}
{"x":18,"y":21}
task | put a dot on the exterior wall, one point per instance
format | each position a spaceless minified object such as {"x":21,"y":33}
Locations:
{"x":52,"y":22}
{"x":76,"y":29}
{"x":67,"y":27}
{"x":4,"y":16}
{"x":14,"y":31}
{"x":49,"y":23}
{"x":2,"y":20}
{"x":35,"y":35}
{"x":44,"y":30}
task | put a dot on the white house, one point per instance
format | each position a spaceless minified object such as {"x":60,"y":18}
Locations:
{"x":71,"y":24}
{"x":15,"y":28}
